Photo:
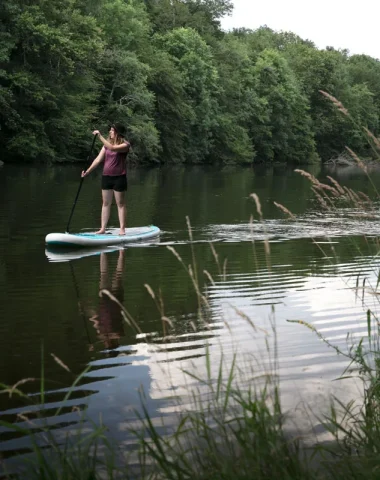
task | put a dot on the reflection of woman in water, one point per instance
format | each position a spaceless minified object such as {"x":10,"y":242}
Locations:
{"x":108,"y":322}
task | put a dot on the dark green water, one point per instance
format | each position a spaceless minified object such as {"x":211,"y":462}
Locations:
{"x":49,"y":305}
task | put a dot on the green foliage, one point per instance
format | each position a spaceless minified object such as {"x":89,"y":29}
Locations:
{"x":193,"y":59}
{"x":187,"y":91}
{"x":49,"y":79}
{"x":201,"y":15}
{"x":363,"y":69}
{"x":237,"y":101}
{"x":124,"y":76}
{"x":232,"y":143}
{"x":172,"y":110}
{"x":284,"y":133}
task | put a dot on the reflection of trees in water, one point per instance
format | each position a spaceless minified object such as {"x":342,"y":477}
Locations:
{"x":108,"y":320}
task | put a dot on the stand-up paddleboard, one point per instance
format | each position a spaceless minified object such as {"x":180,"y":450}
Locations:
{"x":87,"y":239}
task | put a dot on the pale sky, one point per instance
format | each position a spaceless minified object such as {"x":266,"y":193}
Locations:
{"x":354,"y":25}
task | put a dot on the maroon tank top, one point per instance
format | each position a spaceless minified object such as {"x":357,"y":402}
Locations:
{"x":115,"y":163}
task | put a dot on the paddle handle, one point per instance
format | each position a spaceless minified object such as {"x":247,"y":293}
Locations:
{"x":80,"y":186}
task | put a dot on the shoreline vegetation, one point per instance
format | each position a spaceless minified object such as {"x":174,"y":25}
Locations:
{"x":188,"y":91}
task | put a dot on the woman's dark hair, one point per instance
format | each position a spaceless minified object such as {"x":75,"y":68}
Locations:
{"x":119,"y":129}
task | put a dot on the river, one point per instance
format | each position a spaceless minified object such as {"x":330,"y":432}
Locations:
{"x":51,"y":311}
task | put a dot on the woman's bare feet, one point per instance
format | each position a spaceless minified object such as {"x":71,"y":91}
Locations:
{"x":100,"y":232}
{"x":122,"y":231}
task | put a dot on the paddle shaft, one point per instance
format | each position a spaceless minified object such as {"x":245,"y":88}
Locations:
{"x":80,"y":186}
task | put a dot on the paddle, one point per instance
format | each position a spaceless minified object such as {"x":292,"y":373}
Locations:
{"x":80,"y":186}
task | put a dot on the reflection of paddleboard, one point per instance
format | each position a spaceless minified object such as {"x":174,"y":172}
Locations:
{"x":62,"y":254}
{"x":91,"y":239}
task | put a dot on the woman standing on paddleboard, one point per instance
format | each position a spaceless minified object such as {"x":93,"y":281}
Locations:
{"x":114,"y":178}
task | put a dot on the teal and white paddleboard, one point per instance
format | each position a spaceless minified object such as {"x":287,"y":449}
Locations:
{"x":87,"y":239}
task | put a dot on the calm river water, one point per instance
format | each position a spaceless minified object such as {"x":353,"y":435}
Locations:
{"x":50,"y":304}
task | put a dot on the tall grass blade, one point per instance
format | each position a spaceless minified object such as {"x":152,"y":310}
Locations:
{"x":42,"y":380}
{"x":227,"y":393}
{"x":369,"y":324}
{"x":71,"y":389}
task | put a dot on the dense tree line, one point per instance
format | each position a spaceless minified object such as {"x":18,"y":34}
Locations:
{"x":187,"y":91}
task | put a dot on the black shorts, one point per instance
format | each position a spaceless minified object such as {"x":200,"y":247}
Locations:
{"x":118,"y":183}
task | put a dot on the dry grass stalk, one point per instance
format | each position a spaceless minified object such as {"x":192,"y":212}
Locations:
{"x":196,"y":288}
{"x":375,"y":140}
{"x":308,"y":175}
{"x":208,"y":275}
{"x":324,"y":195}
{"x":365,"y":197}
{"x":267,"y":247}
{"x":258,"y":204}
{"x":225,"y":269}
{"x":320,"y":199}
{"x":364,"y":201}
{"x":150,"y":291}
{"x":323,"y":186}
{"x":190,"y":271}
{"x":285,"y":210}
{"x":130,"y":321}
{"x":126,"y":319}
{"x":227,"y":325}
{"x":175,"y":253}
{"x":245,"y":317}
{"x":337,"y":185}
{"x":339,"y":105}
{"x":161,"y":300}
{"x":14,"y":388}
{"x":215,"y":255}
{"x":125,"y":314}
{"x":357,"y":159}
{"x":189,"y":228}
{"x":356,"y":197}
{"x":60,"y":363}
{"x":25,"y":419}
{"x":266,"y":242}
{"x":350,"y":194}
{"x":167,"y":320}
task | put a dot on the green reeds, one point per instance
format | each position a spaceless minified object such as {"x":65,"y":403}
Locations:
{"x":235,"y":434}
{"x":355,"y":425}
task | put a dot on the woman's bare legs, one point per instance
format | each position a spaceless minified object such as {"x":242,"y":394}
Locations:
{"x":106,"y":210}
{"x":121,"y":210}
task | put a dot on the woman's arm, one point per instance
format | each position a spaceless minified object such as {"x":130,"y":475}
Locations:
{"x":99,"y":159}
{"x":122,"y":147}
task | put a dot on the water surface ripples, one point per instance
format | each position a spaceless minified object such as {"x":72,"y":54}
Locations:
{"x":322,"y":270}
